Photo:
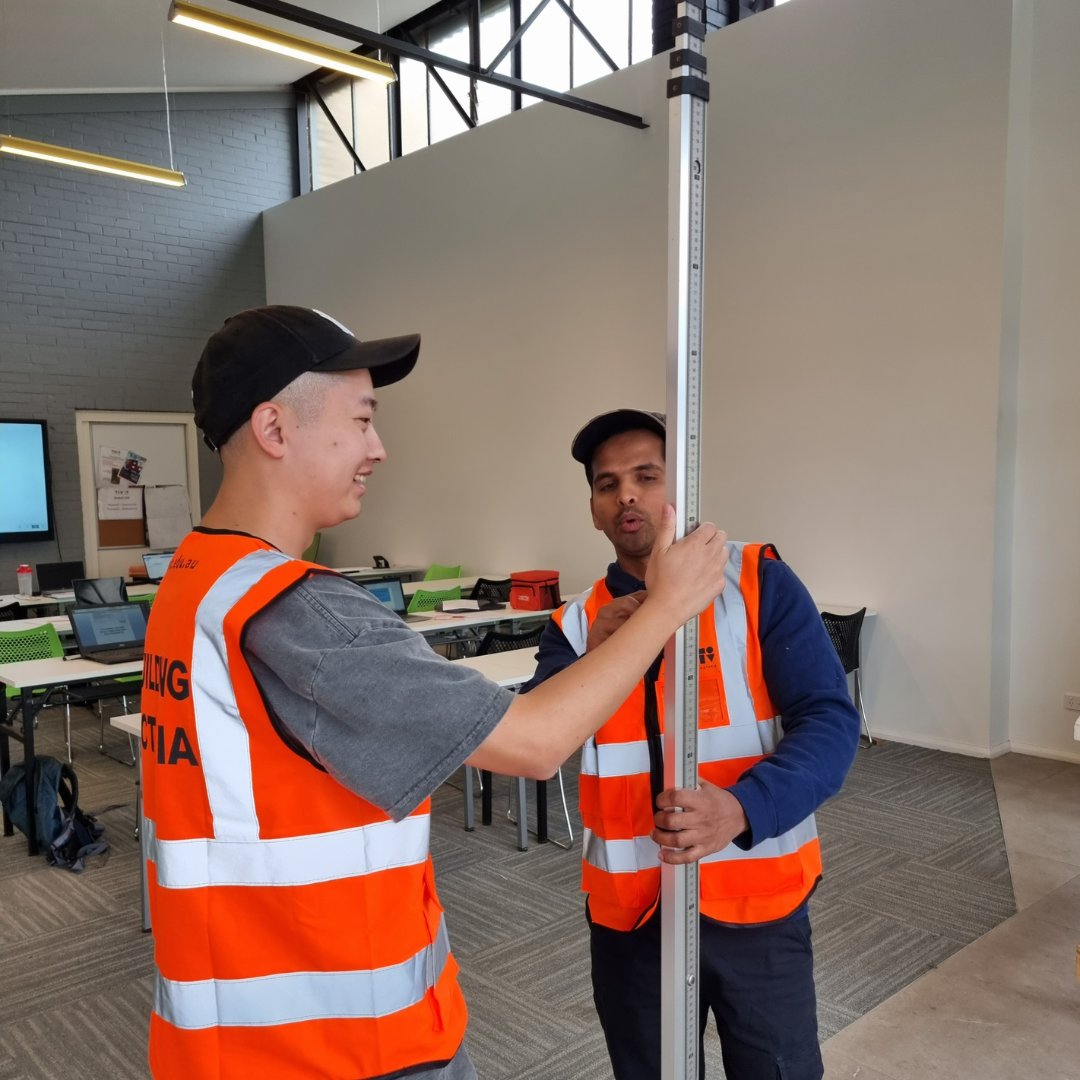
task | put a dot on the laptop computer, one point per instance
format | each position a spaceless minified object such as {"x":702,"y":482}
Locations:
{"x":91,"y":592}
{"x":110,"y":633}
{"x":56,"y":577}
{"x":156,"y":563}
{"x":389,"y":593}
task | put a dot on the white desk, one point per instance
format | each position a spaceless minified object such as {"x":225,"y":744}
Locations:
{"x":509,"y":669}
{"x":27,"y":676}
{"x":506,"y":668}
{"x":464,"y":583}
{"x":35,"y":600}
{"x":131,"y":724}
{"x":437,"y":621}
{"x":61,"y":623}
{"x":375,"y":573}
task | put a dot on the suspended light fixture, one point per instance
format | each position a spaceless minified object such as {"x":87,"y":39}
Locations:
{"x":262,"y":37}
{"x":63,"y":155}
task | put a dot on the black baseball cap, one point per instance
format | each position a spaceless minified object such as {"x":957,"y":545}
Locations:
{"x":258,"y":352}
{"x":601,"y":428}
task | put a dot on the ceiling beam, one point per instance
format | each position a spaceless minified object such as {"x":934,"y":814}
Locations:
{"x":410,"y":51}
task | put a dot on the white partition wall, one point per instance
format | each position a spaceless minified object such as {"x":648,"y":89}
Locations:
{"x":856,"y":260}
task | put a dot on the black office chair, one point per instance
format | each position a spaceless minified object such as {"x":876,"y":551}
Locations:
{"x":488,"y":589}
{"x":91,"y":592}
{"x":10,"y":612}
{"x":844,"y":632}
{"x":493,"y":641}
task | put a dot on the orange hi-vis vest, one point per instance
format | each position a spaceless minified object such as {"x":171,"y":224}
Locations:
{"x":297,"y":932}
{"x":737,"y":727}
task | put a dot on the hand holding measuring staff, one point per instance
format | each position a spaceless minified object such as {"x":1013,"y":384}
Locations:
{"x":694,"y":822}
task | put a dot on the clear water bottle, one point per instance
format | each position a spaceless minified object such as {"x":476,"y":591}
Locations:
{"x":25,"y":578}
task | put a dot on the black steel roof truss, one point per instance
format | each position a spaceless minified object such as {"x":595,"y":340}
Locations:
{"x":313,"y":89}
{"x":373,"y":40}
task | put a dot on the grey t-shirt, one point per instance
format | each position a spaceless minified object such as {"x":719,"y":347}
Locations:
{"x":365,"y":695}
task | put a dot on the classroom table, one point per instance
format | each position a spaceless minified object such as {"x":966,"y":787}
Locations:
{"x":61,"y":623}
{"x":379,"y":573}
{"x":511,"y":669}
{"x":465,"y":584}
{"x":131,"y":725}
{"x":27,"y":676}
{"x":136,"y":590}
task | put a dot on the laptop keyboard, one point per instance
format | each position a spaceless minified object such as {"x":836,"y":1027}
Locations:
{"x":117,"y":656}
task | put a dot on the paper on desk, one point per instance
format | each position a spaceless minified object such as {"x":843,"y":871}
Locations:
{"x":471,"y":605}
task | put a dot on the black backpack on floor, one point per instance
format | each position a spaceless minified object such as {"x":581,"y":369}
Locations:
{"x":65,"y":833}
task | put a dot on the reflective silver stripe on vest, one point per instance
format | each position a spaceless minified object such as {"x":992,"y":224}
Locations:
{"x":223,"y":739}
{"x":302,"y":995}
{"x":714,"y":744}
{"x":296,"y":860}
{"x":575,"y":626}
{"x":729,"y":618}
{"x":620,"y":856}
{"x":236,"y":854}
{"x":642,"y":852}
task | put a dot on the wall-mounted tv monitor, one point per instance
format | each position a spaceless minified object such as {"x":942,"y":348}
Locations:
{"x":26,"y":506}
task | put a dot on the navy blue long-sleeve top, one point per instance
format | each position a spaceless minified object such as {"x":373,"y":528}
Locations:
{"x":807,"y":685}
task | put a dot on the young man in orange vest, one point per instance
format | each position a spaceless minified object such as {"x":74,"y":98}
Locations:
{"x":777,"y":734}
{"x":293,"y":729}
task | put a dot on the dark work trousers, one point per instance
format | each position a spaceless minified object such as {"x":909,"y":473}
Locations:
{"x":757,"y":980}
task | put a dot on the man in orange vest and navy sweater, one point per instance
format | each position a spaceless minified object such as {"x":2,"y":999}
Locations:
{"x":777,"y":735}
{"x":294,"y":728}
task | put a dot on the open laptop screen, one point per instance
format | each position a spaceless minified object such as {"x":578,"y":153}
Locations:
{"x":58,"y":575}
{"x":156,"y":564}
{"x":388,"y":592}
{"x":109,"y":625}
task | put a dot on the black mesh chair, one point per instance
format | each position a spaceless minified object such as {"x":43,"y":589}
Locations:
{"x":495,"y":642}
{"x":10,"y":612}
{"x":487,"y":589}
{"x":844,"y":632}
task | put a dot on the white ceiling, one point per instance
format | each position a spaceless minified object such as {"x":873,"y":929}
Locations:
{"x":84,"y":46}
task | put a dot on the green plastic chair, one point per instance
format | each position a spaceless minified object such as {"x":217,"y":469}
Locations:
{"x":38,"y":643}
{"x":428,"y":599}
{"x":435,"y":572}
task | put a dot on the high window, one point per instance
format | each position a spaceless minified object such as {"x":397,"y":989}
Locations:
{"x":428,"y":105}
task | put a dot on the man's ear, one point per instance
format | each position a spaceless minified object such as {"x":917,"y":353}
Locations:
{"x":267,"y":428}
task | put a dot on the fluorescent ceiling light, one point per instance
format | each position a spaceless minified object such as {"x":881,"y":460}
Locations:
{"x":62,"y":155}
{"x":262,"y":37}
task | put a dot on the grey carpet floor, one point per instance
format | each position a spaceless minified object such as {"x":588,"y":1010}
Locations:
{"x":915,"y":868}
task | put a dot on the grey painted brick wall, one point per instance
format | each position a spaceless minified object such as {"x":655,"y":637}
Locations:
{"x":109,"y":287}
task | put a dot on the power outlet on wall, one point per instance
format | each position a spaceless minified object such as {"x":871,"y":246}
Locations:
{"x":1072,"y":702}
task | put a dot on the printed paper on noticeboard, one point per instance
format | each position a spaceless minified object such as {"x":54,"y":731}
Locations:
{"x":118,"y":468}
{"x":120,"y":503}
{"x":168,"y":515}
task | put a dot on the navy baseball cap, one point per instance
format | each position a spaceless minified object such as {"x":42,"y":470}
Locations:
{"x":258,"y":352}
{"x":601,"y":428}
